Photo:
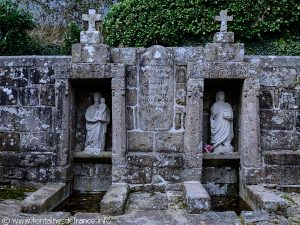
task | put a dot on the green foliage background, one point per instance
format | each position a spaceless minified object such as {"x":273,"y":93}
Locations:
{"x":267,"y":27}
{"x":14,"y":23}
{"x":271,"y":23}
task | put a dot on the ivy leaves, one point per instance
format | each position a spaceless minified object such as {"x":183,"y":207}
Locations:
{"x":139,"y":23}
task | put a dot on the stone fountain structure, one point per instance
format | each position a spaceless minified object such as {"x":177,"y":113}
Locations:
{"x":158,"y":124}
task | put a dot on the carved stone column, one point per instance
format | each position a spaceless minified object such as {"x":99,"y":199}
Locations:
{"x":193,"y":130}
{"x":118,"y":129}
{"x":249,"y":137}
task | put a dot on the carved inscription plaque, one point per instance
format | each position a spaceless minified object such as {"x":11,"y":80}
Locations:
{"x":156,"y":89}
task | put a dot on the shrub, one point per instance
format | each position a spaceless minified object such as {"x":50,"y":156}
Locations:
{"x":171,"y":22}
{"x":275,"y":46}
{"x":14,"y":24}
{"x":72,"y":36}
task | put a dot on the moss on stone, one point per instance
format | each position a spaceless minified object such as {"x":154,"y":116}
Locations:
{"x":66,"y":222}
{"x":288,"y":198}
{"x":12,"y":192}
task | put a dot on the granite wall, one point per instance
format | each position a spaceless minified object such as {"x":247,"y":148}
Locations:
{"x":280,"y":118}
{"x":34,"y":147}
{"x":30,"y":108}
{"x":59,"y":13}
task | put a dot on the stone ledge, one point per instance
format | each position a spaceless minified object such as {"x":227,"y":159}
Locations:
{"x":225,"y":160}
{"x":289,"y":188}
{"x":103,"y":157}
{"x":282,"y":158}
{"x":46,"y":198}
{"x":233,"y":155}
{"x":115,"y":199}
{"x":259,"y":197}
{"x":196,"y":197}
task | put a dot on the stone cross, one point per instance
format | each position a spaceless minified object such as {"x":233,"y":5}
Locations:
{"x":223,"y":18}
{"x":92,"y":18}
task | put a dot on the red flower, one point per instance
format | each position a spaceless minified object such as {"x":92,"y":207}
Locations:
{"x":207,"y":148}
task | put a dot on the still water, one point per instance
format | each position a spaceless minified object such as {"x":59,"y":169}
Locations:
{"x":229,"y":203}
{"x":81,"y":203}
{"x":91,"y":203}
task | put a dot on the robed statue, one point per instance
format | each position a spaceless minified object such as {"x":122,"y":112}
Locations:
{"x":97,"y":118}
{"x":221,"y":123}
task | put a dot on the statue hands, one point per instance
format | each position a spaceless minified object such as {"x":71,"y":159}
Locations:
{"x":227,"y":115}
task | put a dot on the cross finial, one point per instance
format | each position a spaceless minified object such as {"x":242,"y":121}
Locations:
{"x":223,"y":18}
{"x":92,"y":18}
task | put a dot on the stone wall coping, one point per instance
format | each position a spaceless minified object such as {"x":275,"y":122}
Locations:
{"x":249,"y":58}
{"x":37,"y":57}
{"x":273,"y":61}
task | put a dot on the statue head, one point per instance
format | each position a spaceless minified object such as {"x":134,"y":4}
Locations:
{"x":220,"y":96}
{"x":97,"y":97}
{"x":102,"y":100}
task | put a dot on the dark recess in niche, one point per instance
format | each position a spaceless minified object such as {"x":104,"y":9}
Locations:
{"x":84,"y":90}
{"x":233,"y":90}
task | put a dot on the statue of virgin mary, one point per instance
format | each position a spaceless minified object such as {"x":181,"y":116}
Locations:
{"x":97,"y":118}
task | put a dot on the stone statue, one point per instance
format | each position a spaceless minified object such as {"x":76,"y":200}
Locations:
{"x":221,"y":122}
{"x":97,"y":117}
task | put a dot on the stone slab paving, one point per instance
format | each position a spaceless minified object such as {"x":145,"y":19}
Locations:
{"x":162,"y":217}
{"x":293,"y":200}
{"x":263,"y":218}
{"x":147,"y":201}
{"x":10,"y":215}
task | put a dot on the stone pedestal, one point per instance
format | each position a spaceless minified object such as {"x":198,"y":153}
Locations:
{"x":223,"y":149}
{"x":224,"y":37}
{"x":90,"y":53}
{"x":90,"y":37}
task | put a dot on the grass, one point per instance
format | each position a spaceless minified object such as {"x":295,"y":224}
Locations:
{"x":47,"y":34}
{"x":47,"y":40}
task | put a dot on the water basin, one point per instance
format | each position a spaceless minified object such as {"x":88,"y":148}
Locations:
{"x":229,"y":203}
{"x":78,"y":202}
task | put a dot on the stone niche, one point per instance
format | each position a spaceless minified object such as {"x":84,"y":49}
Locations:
{"x":233,"y":90}
{"x":239,"y":80}
{"x":83,"y":91}
{"x":91,"y":173}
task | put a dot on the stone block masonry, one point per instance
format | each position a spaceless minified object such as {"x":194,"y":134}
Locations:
{"x":279,"y":109}
{"x":29,"y":107}
{"x":159,"y":102}
{"x":35,"y":98}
